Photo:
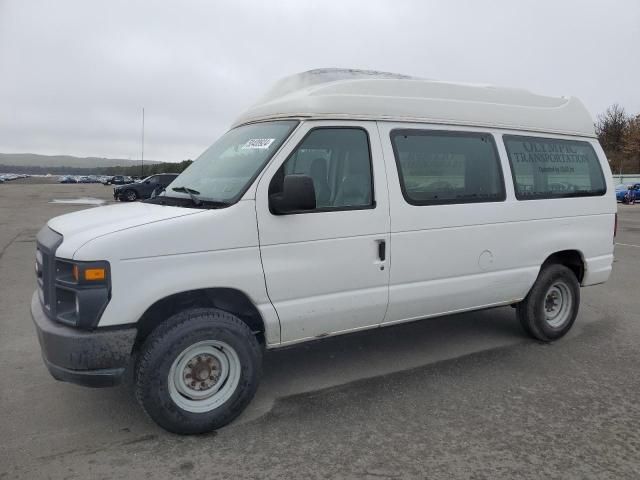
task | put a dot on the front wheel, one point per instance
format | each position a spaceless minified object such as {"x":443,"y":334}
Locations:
{"x":130,"y":195}
{"x":198,"y":371}
{"x":549,"y":310}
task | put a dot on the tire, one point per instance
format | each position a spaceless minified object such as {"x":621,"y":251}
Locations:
{"x":130,"y":195}
{"x":179,"y":350}
{"x":550,"y":308}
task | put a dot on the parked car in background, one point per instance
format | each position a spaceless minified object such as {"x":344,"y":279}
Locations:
{"x":143,"y":188}
{"x":116,"y":180}
{"x":7,"y":177}
{"x":628,"y":193}
{"x":67,"y":179}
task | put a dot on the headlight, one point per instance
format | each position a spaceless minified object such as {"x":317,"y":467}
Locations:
{"x":82,"y":273}
{"x":83,"y":290}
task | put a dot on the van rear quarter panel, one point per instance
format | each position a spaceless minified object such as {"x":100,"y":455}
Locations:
{"x":447,"y":258}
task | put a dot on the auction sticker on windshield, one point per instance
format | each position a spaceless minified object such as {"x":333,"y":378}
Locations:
{"x":258,"y":143}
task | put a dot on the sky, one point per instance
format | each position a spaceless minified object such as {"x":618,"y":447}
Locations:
{"x":75,"y":74}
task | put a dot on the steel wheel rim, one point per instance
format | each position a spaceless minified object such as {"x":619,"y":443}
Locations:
{"x":557,"y":304}
{"x":192,"y":390}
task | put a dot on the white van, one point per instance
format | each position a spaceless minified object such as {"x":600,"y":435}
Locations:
{"x":344,"y":200}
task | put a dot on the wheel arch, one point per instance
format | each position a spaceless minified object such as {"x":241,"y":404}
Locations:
{"x":228,"y":299}
{"x":572,"y":259}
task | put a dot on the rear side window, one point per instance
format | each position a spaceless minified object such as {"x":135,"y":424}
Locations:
{"x":441,"y":167}
{"x":553,"y":168}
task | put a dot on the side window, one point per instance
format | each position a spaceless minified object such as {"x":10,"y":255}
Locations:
{"x":153,"y":180}
{"x":166,"y":180}
{"x":441,"y":167}
{"x":338,"y":160}
{"x":553,"y":168}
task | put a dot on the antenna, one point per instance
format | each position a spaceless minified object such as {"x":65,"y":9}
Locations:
{"x":142,"y":158}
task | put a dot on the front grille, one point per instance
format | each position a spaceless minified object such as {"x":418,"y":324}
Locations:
{"x":42,"y":276}
{"x":47,"y":243}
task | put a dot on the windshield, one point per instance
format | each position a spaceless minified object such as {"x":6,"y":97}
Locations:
{"x":224,"y":171}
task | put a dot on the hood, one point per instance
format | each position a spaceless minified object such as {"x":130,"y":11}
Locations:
{"x":78,"y":228}
{"x":125,"y":185}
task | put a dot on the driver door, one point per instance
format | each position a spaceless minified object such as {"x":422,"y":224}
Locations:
{"x":326,"y":269}
{"x":149,"y":186}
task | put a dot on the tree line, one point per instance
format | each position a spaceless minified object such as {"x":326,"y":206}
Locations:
{"x":133,"y":170}
{"x":146,"y":170}
{"x":619,"y":135}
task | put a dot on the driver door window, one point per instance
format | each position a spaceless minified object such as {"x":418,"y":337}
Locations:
{"x":149,"y":185}
{"x":338,"y":160}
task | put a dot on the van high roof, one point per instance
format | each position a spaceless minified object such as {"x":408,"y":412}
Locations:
{"x":370,"y":95}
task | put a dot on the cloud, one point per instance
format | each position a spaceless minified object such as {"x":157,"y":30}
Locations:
{"x":74,"y":75}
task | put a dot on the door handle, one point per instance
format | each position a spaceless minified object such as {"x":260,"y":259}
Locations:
{"x":382,"y":250}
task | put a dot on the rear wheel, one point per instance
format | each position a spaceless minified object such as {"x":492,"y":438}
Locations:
{"x":198,"y":371}
{"x":549,"y":310}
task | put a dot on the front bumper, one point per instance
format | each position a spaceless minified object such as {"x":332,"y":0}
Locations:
{"x":94,"y":359}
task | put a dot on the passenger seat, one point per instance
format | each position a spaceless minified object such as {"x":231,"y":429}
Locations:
{"x":355,"y":188}
{"x":318,"y":173}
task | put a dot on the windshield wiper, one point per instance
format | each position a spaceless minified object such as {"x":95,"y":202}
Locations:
{"x":197,"y":201}
{"x":192,"y":193}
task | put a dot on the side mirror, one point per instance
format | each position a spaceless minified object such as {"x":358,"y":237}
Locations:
{"x":148,"y":182}
{"x":298,"y":194}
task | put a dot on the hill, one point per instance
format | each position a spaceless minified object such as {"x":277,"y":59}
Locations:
{"x":51,"y":161}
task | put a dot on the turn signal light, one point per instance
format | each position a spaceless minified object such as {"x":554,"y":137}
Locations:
{"x":94,"y":274}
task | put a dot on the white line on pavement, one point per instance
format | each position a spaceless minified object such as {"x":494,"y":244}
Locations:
{"x":628,"y":245}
